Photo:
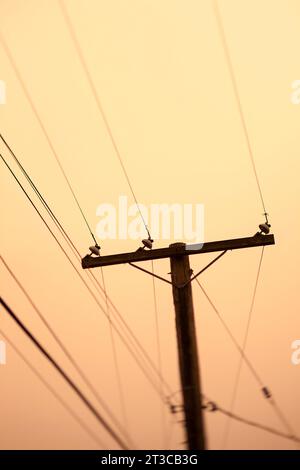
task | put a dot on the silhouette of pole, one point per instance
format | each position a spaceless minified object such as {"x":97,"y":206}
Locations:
{"x":187,"y":351}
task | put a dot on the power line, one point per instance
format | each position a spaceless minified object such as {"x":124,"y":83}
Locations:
{"x":41,"y":198}
{"x":30,"y":100}
{"x":83,"y":62}
{"x":212,"y":407}
{"x":158,"y":348}
{"x":115,"y":356}
{"x":237,"y":96}
{"x":65,"y":376}
{"x":265,"y":390}
{"x":73,"y":247}
{"x":43,"y":128}
{"x":129,"y":348}
{"x":251,"y":154}
{"x":65,"y":405}
{"x":140,"y":349}
{"x":136,"y":343}
{"x":66,"y":352}
{"x":244,"y":344}
{"x":34,"y":109}
{"x":238,"y":347}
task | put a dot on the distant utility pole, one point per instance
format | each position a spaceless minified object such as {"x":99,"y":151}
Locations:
{"x":181,"y":279}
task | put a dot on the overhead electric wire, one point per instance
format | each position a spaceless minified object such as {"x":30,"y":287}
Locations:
{"x":129,"y":348}
{"x":44,"y":130}
{"x":31,"y":102}
{"x":132,"y":337}
{"x":235,"y":342}
{"x":251,"y":155}
{"x":115,"y":356}
{"x":63,"y":402}
{"x":95,"y":94}
{"x":237,"y":97}
{"x":136,"y":343}
{"x":211,"y":406}
{"x":67,"y":352}
{"x":266,"y":393}
{"x":139,"y":347}
{"x":65,"y":376}
{"x":244,"y":345}
{"x":34,"y":109}
{"x":158,"y":348}
{"x":61,"y":228}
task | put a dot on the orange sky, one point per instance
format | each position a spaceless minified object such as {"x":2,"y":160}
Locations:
{"x":161,"y":74}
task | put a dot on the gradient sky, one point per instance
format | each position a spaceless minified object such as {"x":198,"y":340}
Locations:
{"x":161,"y":74}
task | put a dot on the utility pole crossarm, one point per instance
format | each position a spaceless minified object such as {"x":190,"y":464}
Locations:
{"x":160,"y":253}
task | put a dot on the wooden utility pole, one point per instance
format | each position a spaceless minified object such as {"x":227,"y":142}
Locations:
{"x":187,"y":351}
{"x":184,"y":313}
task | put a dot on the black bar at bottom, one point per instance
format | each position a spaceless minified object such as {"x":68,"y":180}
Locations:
{"x":134,"y":459}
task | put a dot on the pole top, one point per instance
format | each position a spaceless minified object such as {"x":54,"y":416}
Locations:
{"x":177,"y":245}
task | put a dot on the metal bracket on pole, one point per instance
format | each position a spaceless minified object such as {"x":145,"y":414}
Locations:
{"x":151,"y":274}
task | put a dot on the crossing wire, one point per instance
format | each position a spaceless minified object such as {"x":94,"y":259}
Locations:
{"x":158,"y":348}
{"x":211,"y":406}
{"x":115,"y":355}
{"x":65,"y":376}
{"x":129,"y":348}
{"x":66,"y":352}
{"x":265,"y":391}
{"x":54,"y":152}
{"x":237,"y":97}
{"x":235,"y":342}
{"x":244,"y":345}
{"x":95,"y":94}
{"x":44,"y":130}
{"x":63,"y":402}
{"x":136,"y":344}
{"x":250,"y":151}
